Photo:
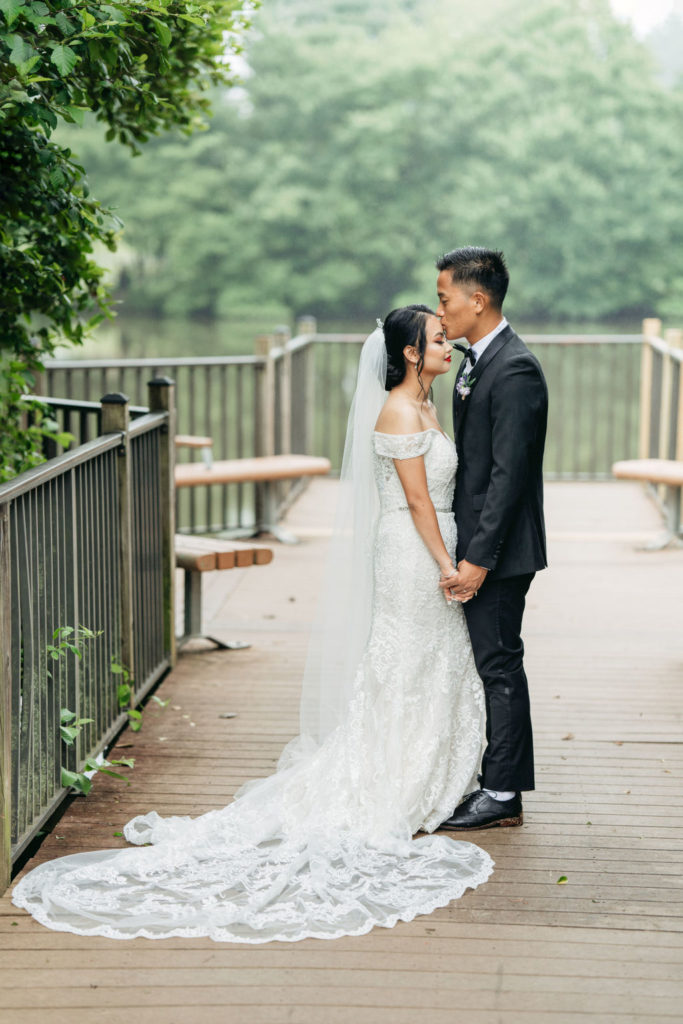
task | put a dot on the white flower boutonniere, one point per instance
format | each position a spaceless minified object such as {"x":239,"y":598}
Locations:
{"x":464,"y":385}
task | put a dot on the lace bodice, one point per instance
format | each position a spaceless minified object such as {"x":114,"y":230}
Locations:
{"x":440,"y":465}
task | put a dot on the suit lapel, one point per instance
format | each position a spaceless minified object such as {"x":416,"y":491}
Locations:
{"x":457,"y":401}
{"x":491,"y":351}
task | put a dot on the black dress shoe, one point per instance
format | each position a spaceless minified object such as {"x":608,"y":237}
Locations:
{"x":479,"y":810}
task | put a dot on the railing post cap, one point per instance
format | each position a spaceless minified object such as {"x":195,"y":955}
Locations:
{"x":115,"y":398}
{"x":652,"y":327}
{"x":161,"y":382}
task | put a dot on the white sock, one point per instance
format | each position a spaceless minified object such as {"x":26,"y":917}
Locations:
{"x":499,"y":794}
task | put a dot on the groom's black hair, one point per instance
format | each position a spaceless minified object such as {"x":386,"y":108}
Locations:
{"x":484,"y":268}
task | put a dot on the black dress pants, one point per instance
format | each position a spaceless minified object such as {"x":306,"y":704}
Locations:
{"x":494,"y":620}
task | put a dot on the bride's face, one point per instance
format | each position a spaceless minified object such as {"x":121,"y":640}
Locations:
{"x":437,"y":358}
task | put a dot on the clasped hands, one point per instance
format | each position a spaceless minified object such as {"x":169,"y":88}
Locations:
{"x":462,"y":583}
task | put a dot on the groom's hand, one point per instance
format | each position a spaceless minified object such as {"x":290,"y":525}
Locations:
{"x":464,"y":584}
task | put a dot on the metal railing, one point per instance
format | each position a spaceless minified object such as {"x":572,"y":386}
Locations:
{"x":85,"y":539}
{"x":661,"y":394}
{"x":593,"y":381}
{"x":293,"y":395}
{"x":219,"y":397}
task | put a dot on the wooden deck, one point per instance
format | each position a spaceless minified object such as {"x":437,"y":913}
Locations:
{"x":605,"y":660}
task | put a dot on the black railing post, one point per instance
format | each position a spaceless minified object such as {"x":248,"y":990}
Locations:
{"x":116,"y":419}
{"x":5,"y":704}
{"x":161,"y":393}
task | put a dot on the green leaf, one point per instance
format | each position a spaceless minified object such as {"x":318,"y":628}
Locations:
{"x":113,"y":12}
{"x":118,"y":834}
{"x":65,"y":25}
{"x":76,"y":780}
{"x":163,"y":32}
{"x":194,"y":19}
{"x":562,"y":880}
{"x":69,"y":733}
{"x":64,"y":59}
{"x":21,"y":51}
{"x":11,"y":10}
{"x":115,"y":775}
{"x":28,"y":65}
{"x":90,"y":634}
{"x":66,"y":716}
{"x":56,"y":179}
{"x":77,"y":114}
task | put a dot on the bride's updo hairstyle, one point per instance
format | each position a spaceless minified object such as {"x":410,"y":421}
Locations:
{"x":404,"y":326}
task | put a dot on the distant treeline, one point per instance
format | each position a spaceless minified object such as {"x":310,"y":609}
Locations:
{"x":371,"y":136}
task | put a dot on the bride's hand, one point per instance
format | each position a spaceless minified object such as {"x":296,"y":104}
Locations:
{"x":448,"y":579}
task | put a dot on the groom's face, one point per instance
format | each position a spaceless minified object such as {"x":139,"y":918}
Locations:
{"x":457,"y":307}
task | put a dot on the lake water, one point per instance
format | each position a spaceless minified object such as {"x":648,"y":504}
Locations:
{"x":136,"y":337}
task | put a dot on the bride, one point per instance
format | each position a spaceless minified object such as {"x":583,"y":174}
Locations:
{"x":392,"y":721}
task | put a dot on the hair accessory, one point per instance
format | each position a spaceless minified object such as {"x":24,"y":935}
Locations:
{"x":379,"y":324}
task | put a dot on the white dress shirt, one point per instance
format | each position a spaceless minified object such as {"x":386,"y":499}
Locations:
{"x":479,"y":346}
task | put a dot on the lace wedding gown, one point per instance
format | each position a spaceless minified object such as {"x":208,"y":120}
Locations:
{"x":323,"y":847}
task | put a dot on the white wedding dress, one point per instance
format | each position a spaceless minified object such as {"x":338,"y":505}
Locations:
{"x":324,"y":847}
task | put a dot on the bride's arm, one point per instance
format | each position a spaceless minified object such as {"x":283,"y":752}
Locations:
{"x":411,"y":473}
{"x":397,"y":418}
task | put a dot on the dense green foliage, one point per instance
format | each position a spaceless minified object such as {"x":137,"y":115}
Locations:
{"x":139,"y":67}
{"x":370,"y":137}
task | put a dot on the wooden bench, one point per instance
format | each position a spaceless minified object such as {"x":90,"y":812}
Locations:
{"x":203,"y":444}
{"x":197,"y":555}
{"x":658,"y":471}
{"x":264,"y":470}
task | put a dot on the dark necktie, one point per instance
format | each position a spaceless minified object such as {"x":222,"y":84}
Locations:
{"x":469,"y":357}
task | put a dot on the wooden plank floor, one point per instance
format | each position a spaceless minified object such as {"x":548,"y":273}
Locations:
{"x":605,"y":660}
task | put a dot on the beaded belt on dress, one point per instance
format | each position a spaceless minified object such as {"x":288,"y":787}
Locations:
{"x":404,"y":508}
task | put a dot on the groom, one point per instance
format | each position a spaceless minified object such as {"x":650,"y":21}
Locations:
{"x":500,"y":407}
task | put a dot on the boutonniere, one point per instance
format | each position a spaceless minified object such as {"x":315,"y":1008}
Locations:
{"x":464,"y":385}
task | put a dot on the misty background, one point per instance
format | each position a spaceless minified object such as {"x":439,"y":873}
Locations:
{"x":369,"y":136}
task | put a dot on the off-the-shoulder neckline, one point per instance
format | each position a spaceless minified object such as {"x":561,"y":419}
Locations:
{"x":416,"y":433}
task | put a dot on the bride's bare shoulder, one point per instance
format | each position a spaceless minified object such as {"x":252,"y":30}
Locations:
{"x":398,"y":416}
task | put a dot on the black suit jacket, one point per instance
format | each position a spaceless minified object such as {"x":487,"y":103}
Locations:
{"x":500,"y":435}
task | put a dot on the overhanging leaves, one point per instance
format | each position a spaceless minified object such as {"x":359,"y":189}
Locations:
{"x":140,"y":68}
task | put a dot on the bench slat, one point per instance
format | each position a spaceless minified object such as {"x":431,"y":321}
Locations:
{"x":261,"y":468}
{"x":655,"y":471}
{"x":195,"y":559}
{"x":192,"y":441}
{"x":225,"y":558}
{"x":229,"y":553}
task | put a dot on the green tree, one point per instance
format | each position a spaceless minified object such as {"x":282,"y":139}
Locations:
{"x":369,"y":138}
{"x":141,"y":67}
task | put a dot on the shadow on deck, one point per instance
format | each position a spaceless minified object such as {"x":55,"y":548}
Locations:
{"x":605,"y":661}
